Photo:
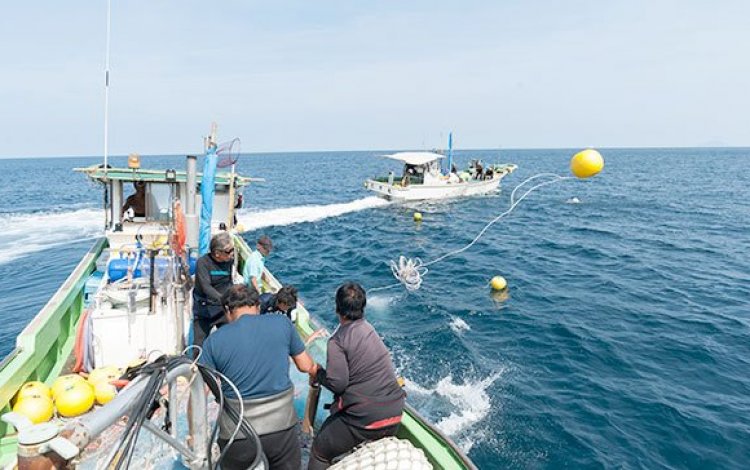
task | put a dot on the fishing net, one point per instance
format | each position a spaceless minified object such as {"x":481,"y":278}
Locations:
{"x":229,"y":153}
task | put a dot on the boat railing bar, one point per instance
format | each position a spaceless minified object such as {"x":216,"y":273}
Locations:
{"x":43,"y":347}
{"x":176,"y":444}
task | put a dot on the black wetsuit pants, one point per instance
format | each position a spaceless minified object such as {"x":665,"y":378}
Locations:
{"x":336,"y":437}
{"x":282,"y":450}
{"x":202,"y":327}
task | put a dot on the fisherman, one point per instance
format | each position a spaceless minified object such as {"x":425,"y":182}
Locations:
{"x":255,"y":264}
{"x":479,"y":170}
{"x":368,"y":401}
{"x":489,"y":173}
{"x":284,"y":301}
{"x":253,"y":352}
{"x":213,"y":277}
{"x":136,"y":201}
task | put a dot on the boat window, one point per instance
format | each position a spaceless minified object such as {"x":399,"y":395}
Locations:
{"x":158,"y":197}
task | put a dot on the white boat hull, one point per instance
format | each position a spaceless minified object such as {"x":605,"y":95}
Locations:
{"x":420,"y":192}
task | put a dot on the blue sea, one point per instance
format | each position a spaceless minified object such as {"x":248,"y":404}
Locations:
{"x":623,"y":340}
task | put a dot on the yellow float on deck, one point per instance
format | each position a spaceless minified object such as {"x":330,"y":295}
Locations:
{"x":32,"y":389}
{"x":586,"y":163}
{"x":104,"y":374}
{"x":62,"y":382}
{"x":104,"y":392}
{"x":39,"y":408}
{"x":75,"y":399}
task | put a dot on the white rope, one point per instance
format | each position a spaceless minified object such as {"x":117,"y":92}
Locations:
{"x":410,"y":272}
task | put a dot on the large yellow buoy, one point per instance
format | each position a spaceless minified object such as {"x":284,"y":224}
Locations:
{"x":63,"y":381}
{"x":586,"y":163}
{"x":498,"y":283}
{"x":75,"y":399}
{"x":32,"y":389}
{"x":39,"y":409}
{"x":104,"y":374}
{"x":104,"y":392}
{"x":417,"y":217}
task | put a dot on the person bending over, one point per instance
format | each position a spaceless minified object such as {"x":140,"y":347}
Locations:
{"x":253,"y":351}
{"x":368,"y":401}
{"x":284,"y":301}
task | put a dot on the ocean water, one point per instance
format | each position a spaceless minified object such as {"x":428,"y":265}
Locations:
{"x":623,"y":340}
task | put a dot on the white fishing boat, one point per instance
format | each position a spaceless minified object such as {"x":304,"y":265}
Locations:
{"x":422,"y":178}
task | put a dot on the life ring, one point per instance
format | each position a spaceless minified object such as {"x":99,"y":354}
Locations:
{"x":180,"y":233}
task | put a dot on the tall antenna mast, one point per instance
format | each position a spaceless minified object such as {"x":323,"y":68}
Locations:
{"x":106,"y":92}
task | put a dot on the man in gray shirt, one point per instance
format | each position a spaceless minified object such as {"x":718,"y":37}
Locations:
{"x":368,"y":401}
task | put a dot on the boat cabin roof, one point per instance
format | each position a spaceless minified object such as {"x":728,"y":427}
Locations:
{"x":95,"y":172}
{"x":415,"y":158}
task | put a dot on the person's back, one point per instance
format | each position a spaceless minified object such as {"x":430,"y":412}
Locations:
{"x":371,"y":392}
{"x":368,"y":401}
{"x":253,"y":352}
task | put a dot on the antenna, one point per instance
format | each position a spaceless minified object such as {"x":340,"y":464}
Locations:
{"x":106,"y":90}
{"x":106,"y":111}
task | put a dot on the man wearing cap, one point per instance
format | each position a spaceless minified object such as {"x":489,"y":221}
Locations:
{"x":255,"y":264}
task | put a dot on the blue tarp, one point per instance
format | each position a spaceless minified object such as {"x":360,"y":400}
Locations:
{"x":207,"y":200}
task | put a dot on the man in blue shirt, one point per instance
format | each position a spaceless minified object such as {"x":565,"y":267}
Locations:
{"x":253,"y":272}
{"x":253,"y":351}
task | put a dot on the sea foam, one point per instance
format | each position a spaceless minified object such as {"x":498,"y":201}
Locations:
{"x":253,"y":220}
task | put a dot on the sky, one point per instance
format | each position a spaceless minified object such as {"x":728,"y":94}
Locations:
{"x":360,"y":75}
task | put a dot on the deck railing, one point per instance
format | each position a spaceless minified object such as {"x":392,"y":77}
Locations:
{"x":45,"y":345}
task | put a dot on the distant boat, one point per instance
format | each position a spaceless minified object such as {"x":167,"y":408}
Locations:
{"x":421,"y":178}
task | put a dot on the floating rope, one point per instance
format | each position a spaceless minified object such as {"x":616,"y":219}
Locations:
{"x":410,"y":272}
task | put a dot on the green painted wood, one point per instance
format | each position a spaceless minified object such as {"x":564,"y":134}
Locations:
{"x":45,"y":344}
{"x":155,"y":176}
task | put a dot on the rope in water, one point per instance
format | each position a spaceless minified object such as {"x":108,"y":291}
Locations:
{"x":410,"y":272}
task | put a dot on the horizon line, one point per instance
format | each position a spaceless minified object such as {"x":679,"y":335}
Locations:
{"x":277,"y":152}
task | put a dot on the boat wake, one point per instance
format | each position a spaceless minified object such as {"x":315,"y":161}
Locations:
{"x":253,"y":220}
{"x":462,"y":405}
{"x":22,"y":234}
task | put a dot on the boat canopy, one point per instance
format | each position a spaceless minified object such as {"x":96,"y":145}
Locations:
{"x":415,"y":158}
{"x":97,"y":173}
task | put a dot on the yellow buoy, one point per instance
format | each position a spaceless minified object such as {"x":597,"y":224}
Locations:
{"x":75,"y":399}
{"x":63,"y":381}
{"x":104,"y":392}
{"x":498,"y":283}
{"x":32,"y":389}
{"x":104,"y":374}
{"x":38,"y":409}
{"x":586,"y":163}
{"x":417,"y":217}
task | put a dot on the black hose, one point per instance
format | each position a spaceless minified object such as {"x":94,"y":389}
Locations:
{"x":245,"y":427}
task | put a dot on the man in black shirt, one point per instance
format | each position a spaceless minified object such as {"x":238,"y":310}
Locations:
{"x":213,"y":277}
{"x":368,"y":401}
